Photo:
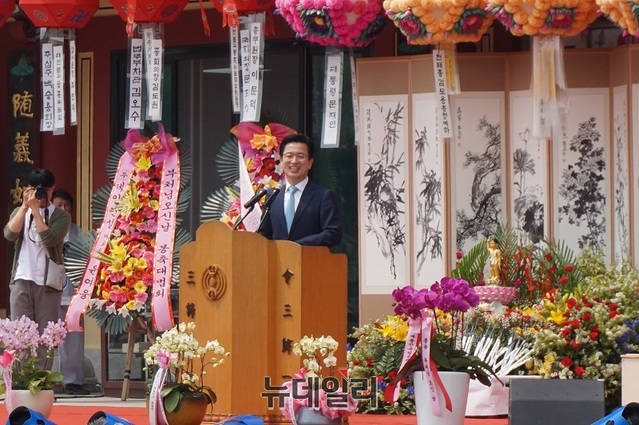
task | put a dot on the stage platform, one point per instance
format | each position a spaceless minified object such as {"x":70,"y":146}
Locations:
{"x":77,"y":411}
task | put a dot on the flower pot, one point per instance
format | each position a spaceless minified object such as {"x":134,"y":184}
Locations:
{"x":190,"y":411}
{"x":456,"y":383}
{"x":308,"y":416}
{"x":41,"y":402}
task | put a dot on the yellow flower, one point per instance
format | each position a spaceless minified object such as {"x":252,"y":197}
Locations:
{"x":557,"y":317}
{"x":130,"y":201}
{"x":549,"y":358}
{"x":139,"y":286}
{"x":144,"y":163}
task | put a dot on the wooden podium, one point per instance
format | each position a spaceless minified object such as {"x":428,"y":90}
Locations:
{"x":257,"y":297}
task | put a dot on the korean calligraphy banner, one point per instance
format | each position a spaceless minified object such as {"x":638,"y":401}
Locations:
{"x":334,"y":67}
{"x":23,"y":124}
{"x":146,"y":59}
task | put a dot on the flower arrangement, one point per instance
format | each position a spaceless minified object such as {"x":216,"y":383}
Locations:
{"x":183,"y":362}
{"x":622,"y":12}
{"x":443,"y":304}
{"x":548,"y":17}
{"x":23,"y":369}
{"x":329,"y":403}
{"x":346,"y":23}
{"x":377,"y":354}
{"x":260,"y":152}
{"x":432,"y":21}
{"x":532,"y":270}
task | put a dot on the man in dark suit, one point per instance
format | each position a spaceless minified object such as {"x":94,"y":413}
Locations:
{"x":303,"y":212}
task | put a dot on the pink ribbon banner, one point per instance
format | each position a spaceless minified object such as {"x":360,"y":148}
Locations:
{"x":164,"y":244}
{"x":82,"y":297}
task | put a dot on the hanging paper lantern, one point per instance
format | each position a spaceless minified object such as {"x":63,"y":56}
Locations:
{"x":546,"y":17}
{"x":347,"y":23}
{"x":6,"y":9}
{"x":622,"y":12}
{"x":59,"y":13}
{"x":432,"y":21}
{"x":160,"y":11}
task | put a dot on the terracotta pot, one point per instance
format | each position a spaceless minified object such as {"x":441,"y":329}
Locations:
{"x":41,"y":402}
{"x":190,"y":411}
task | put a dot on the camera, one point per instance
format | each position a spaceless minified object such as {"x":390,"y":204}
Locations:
{"x":40,"y":192}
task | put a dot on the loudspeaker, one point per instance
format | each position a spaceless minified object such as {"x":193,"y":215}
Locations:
{"x":104,"y":418}
{"x":22,"y":415}
{"x":555,"y":401}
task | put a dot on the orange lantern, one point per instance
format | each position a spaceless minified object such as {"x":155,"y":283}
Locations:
{"x":6,"y":9}
{"x":145,"y":11}
{"x":59,"y":13}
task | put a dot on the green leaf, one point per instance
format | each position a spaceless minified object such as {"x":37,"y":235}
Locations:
{"x":172,"y":400}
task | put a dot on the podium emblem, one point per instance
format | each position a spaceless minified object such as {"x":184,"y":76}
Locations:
{"x":214,"y":282}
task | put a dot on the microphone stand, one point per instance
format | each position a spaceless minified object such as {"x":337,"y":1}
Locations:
{"x":237,"y":223}
{"x":267,"y":206}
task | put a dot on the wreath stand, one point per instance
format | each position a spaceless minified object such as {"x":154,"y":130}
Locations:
{"x":138,"y":325}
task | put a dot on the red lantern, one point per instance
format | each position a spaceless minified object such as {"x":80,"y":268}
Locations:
{"x":59,"y":13}
{"x":165,"y":11}
{"x":6,"y":9}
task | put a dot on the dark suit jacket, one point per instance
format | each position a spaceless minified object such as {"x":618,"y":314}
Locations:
{"x":317,"y":218}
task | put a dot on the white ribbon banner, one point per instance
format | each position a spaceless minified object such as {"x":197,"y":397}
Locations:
{"x":427,"y":325}
{"x":156,"y":406}
{"x":134,"y":115}
{"x":441,"y":93}
{"x":355,"y":99}
{"x":58,"y":88}
{"x":334,"y":66}
{"x":245,"y":55}
{"x":235,"y":68}
{"x":46,"y":123}
{"x":252,"y":221}
{"x":153,"y":75}
{"x":73,"y":100}
{"x":252,"y":102}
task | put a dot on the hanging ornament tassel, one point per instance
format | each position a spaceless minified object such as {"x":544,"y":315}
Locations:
{"x":205,"y":20}
{"x":229,"y":14}
{"x":549,"y":87}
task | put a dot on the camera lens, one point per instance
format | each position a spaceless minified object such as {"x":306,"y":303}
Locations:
{"x":40,"y":192}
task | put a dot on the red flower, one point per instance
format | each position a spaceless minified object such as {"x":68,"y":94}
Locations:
{"x":563,"y":280}
{"x":392,"y":374}
{"x":369,"y":362}
{"x":571,"y":302}
{"x":575,"y":323}
{"x":593,"y":335}
{"x":579,"y":371}
{"x":613,"y":314}
{"x":586,"y":316}
{"x":569,"y":268}
{"x":575,"y":345}
{"x":548,"y":256}
{"x":566,"y":361}
{"x":459,"y":255}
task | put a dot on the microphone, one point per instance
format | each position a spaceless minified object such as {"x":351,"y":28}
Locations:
{"x":271,"y":197}
{"x":260,"y":193}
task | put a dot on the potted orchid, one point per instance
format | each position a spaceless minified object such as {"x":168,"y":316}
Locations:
{"x":434,"y":348}
{"x":183,"y":363}
{"x":313,"y":398}
{"x":25,"y":379}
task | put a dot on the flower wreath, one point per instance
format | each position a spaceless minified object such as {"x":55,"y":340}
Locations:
{"x":132,"y":256}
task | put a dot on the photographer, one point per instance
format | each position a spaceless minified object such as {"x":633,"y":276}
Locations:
{"x":38,"y":229}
